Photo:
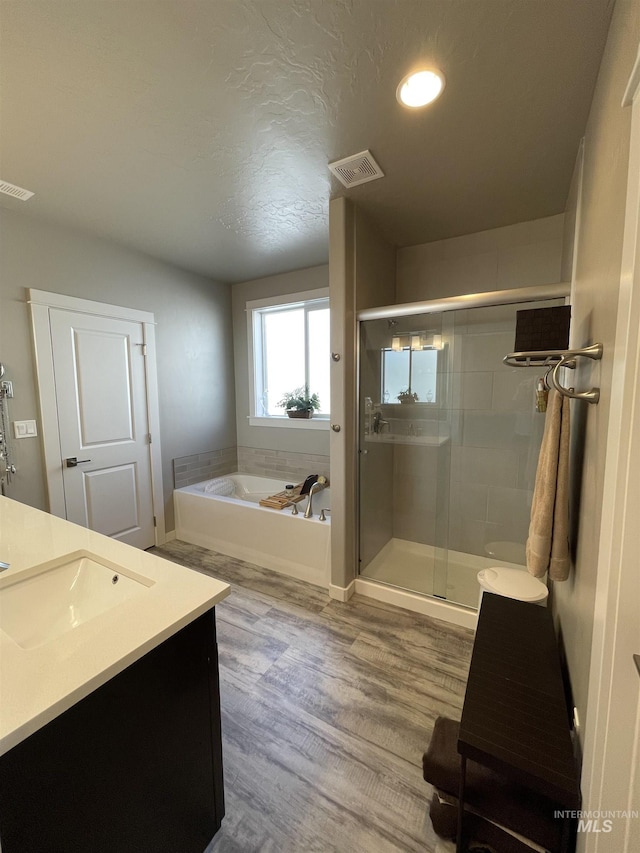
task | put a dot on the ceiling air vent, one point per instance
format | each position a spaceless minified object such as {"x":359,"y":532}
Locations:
{"x":13,"y":190}
{"x":357,"y":169}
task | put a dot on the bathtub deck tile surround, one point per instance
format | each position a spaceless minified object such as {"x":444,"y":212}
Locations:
{"x":280,"y":463}
{"x":188,"y":470}
{"x":327,"y":708}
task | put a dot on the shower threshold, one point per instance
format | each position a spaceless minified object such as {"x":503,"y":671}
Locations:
{"x":421,"y":569}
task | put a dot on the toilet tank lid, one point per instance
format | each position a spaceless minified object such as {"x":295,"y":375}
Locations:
{"x":512,"y":583}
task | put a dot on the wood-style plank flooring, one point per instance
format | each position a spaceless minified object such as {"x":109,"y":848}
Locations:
{"x":326,"y":711}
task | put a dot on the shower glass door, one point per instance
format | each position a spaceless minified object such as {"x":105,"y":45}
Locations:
{"x":404,"y":455}
{"x":449,"y":441}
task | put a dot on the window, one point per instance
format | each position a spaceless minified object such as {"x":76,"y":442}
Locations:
{"x":288,"y":348}
{"x":413,"y":371}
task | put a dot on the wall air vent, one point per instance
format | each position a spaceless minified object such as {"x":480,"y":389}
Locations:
{"x":357,"y":169}
{"x":13,"y":190}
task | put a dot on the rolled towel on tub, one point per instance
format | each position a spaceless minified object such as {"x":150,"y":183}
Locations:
{"x":220,"y":486}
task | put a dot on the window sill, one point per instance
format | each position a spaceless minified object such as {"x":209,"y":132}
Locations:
{"x":290,"y":423}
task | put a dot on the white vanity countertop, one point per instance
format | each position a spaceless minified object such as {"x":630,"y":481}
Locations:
{"x":37,"y":684}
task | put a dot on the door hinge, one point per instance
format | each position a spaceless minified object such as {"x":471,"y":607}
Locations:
{"x":149,"y":437}
{"x":155,"y":523}
{"x":143,"y":348}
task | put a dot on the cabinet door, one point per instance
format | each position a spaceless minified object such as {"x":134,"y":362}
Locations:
{"x":136,"y":765}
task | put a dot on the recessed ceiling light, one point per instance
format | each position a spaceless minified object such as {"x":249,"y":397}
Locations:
{"x":420,"y":88}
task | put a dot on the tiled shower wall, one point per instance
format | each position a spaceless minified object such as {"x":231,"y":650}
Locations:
{"x":495,"y":432}
{"x":475,"y":489}
{"x":420,"y":494}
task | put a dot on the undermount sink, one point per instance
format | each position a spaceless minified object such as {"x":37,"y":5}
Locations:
{"x":59,"y":595}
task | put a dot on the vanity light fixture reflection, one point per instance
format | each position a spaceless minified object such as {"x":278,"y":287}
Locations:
{"x":416,"y":341}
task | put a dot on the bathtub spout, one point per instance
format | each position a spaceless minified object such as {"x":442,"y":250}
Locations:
{"x":317,"y":487}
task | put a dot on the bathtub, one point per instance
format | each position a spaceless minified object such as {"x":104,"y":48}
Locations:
{"x":291,"y":544}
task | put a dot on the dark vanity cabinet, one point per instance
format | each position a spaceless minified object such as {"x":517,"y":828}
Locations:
{"x":134,"y":766}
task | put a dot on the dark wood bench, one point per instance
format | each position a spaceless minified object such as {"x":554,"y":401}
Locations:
{"x":510,"y":760}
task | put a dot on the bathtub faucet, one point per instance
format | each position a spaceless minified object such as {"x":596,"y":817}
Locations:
{"x":317,"y":487}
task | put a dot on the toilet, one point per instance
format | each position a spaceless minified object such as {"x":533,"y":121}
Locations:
{"x":512,"y":583}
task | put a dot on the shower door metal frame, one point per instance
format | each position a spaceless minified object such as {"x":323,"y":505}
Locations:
{"x":471,"y":300}
{"x":518,"y":295}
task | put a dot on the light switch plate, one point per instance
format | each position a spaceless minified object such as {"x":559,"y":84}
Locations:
{"x":25,"y":429}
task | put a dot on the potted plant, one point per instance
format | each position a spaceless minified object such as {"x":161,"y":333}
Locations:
{"x":407,"y":396}
{"x":299,"y":403}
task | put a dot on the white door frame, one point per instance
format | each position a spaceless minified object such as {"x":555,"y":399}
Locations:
{"x":40,"y":302}
{"x":610,"y":769}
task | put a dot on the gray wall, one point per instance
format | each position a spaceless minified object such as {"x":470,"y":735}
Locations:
{"x":304,"y":441}
{"x":194,"y":340}
{"x":598,"y":253}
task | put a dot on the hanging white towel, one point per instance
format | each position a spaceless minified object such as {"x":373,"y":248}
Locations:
{"x":548,"y":542}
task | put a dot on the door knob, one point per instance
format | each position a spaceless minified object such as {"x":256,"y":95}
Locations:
{"x":335,"y":427}
{"x":72,"y":461}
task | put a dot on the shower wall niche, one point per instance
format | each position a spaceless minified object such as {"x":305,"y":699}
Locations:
{"x":449,"y":440}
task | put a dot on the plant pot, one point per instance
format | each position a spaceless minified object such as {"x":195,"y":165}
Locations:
{"x":300,"y":413}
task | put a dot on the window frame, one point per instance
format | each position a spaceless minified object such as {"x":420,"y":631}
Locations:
{"x":255,"y":311}
{"x":438,"y":403}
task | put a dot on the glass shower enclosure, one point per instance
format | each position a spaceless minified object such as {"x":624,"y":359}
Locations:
{"x":448,"y":446}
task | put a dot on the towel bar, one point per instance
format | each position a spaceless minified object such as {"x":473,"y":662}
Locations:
{"x":554,"y":360}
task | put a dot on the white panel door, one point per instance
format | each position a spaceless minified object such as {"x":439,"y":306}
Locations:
{"x":101,"y":404}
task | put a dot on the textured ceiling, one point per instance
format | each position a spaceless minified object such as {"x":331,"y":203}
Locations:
{"x":200,"y":132}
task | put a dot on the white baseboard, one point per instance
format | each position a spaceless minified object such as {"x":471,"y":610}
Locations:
{"x":169,"y":536}
{"x":342,"y":593}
